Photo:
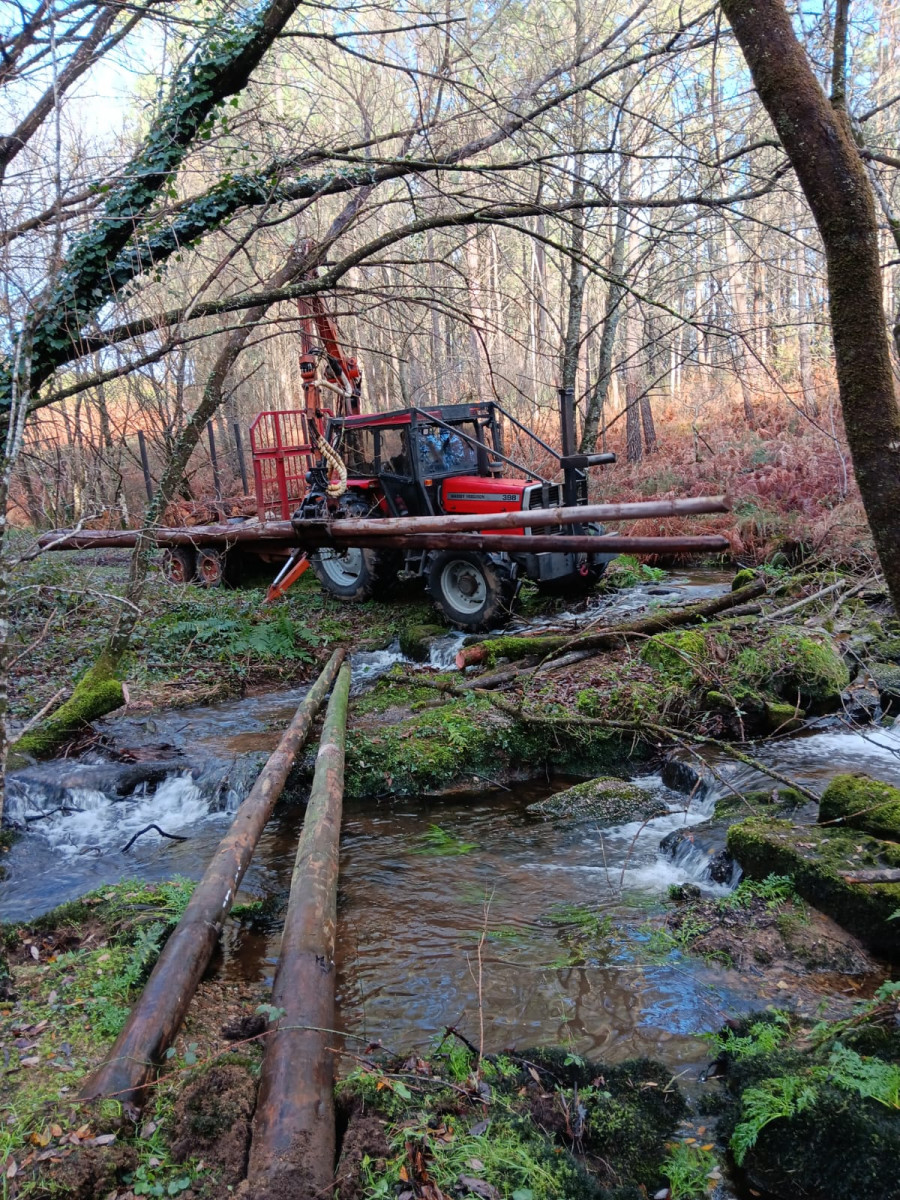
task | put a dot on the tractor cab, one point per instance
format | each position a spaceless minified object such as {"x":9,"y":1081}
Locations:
{"x":420,"y":462}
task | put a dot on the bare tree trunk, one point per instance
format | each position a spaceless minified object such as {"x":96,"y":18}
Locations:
{"x":819,"y":142}
{"x":615,"y":292}
{"x":634,"y":385}
{"x":572,"y":339}
{"x":738,"y":289}
{"x":647,"y":422}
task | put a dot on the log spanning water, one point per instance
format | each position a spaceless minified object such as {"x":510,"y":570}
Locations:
{"x":293,"y":1146}
{"x":161,"y":1007}
{"x":415,"y":530}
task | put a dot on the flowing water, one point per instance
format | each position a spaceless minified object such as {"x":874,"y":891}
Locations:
{"x":426,"y":938}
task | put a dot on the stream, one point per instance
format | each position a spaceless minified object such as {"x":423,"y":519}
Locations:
{"x":417,"y":926}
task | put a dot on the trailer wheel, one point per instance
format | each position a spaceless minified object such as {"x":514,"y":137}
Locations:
{"x":179,"y":564}
{"x":210,"y":567}
{"x":470,"y":590}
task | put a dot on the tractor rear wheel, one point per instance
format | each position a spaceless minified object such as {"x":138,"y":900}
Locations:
{"x":179,"y":564}
{"x":470,"y":590}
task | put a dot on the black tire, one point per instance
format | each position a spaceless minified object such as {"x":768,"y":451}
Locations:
{"x":353,"y":575}
{"x":211,"y":565}
{"x":179,"y":565}
{"x":586,"y":578}
{"x":470,"y":590}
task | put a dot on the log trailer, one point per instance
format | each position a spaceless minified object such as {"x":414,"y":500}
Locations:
{"x":368,"y":500}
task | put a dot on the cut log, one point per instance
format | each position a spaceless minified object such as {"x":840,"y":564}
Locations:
{"x":160,"y":1009}
{"x":641,"y":510}
{"x":352,"y":531}
{"x":876,"y":875}
{"x":611,"y":638}
{"x":293,"y":1146}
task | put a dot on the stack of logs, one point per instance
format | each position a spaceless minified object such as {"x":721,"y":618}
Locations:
{"x":446,"y":531}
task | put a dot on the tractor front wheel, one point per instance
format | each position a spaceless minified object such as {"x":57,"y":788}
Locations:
{"x":352,"y":574}
{"x":470,"y":590}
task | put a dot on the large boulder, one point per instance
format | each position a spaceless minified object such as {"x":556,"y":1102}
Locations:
{"x":862,"y":803}
{"x":831,"y":869}
{"x":605,"y":800}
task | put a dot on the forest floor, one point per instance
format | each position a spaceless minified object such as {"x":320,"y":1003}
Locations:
{"x":805,"y":1107}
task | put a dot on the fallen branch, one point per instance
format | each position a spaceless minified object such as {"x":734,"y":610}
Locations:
{"x":614,"y":636}
{"x":175,"y":837}
{"x":877,"y":875}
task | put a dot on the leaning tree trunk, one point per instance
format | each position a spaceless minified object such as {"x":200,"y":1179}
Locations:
{"x":817,"y":137}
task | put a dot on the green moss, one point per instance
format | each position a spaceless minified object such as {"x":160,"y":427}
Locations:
{"x":783,"y":717}
{"x":743,"y":578}
{"x":815,"y":857}
{"x":862,"y":803}
{"x":887,"y":680}
{"x":607,"y":800}
{"x":523,"y":1142}
{"x":795,"y":665}
{"x":462,"y":737}
{"x":813,"y":1112}
{"x":96,"y":693}
{"x":776,"y":802}
{"x":678,"y":656}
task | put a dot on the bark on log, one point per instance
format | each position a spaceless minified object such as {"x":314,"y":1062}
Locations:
{"x":160,"y":1009}
{"x":293,"y":1146}
{"x":498,"y":543}
{"x":641,"y":510}
{"x":876,"y":875}
{"x":319,"y":536}
{"x":613,"y":637}
{"x":329,"y":532}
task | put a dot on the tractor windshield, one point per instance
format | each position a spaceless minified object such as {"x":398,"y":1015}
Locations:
{"x":442,"y":451}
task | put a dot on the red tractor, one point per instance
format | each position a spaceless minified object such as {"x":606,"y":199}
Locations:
{"x":449,"y":459}
{"x":338,"y":462}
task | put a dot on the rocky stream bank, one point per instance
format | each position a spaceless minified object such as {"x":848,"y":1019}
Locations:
{"x":620,"y":928}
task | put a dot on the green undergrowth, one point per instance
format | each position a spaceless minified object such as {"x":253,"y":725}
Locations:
{"x":536,"y":1126}
{"x":813,"y":1109}
{"x":74,"y":974}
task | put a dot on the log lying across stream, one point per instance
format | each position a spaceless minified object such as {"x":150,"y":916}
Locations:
{"x":612,"y":637}
{"x":293,"y":1146}
{"x":161,"y":1007}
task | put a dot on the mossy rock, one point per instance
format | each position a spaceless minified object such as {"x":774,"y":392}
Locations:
{"x":606,"y":800}
{"x":862,"y":803}
{"x":838,"y":1143}
{"x":798,"y":666}
{"x":815,"y":857}
{"x":744,"y":577}
{"x":887,"y":649}
{"x":678,"y":656}
{"x":783,"y":718}
{"x":415,"y":640}
{"x":777,"y":802}
{"x":887,"y":680}
{"x":440,"y":747}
